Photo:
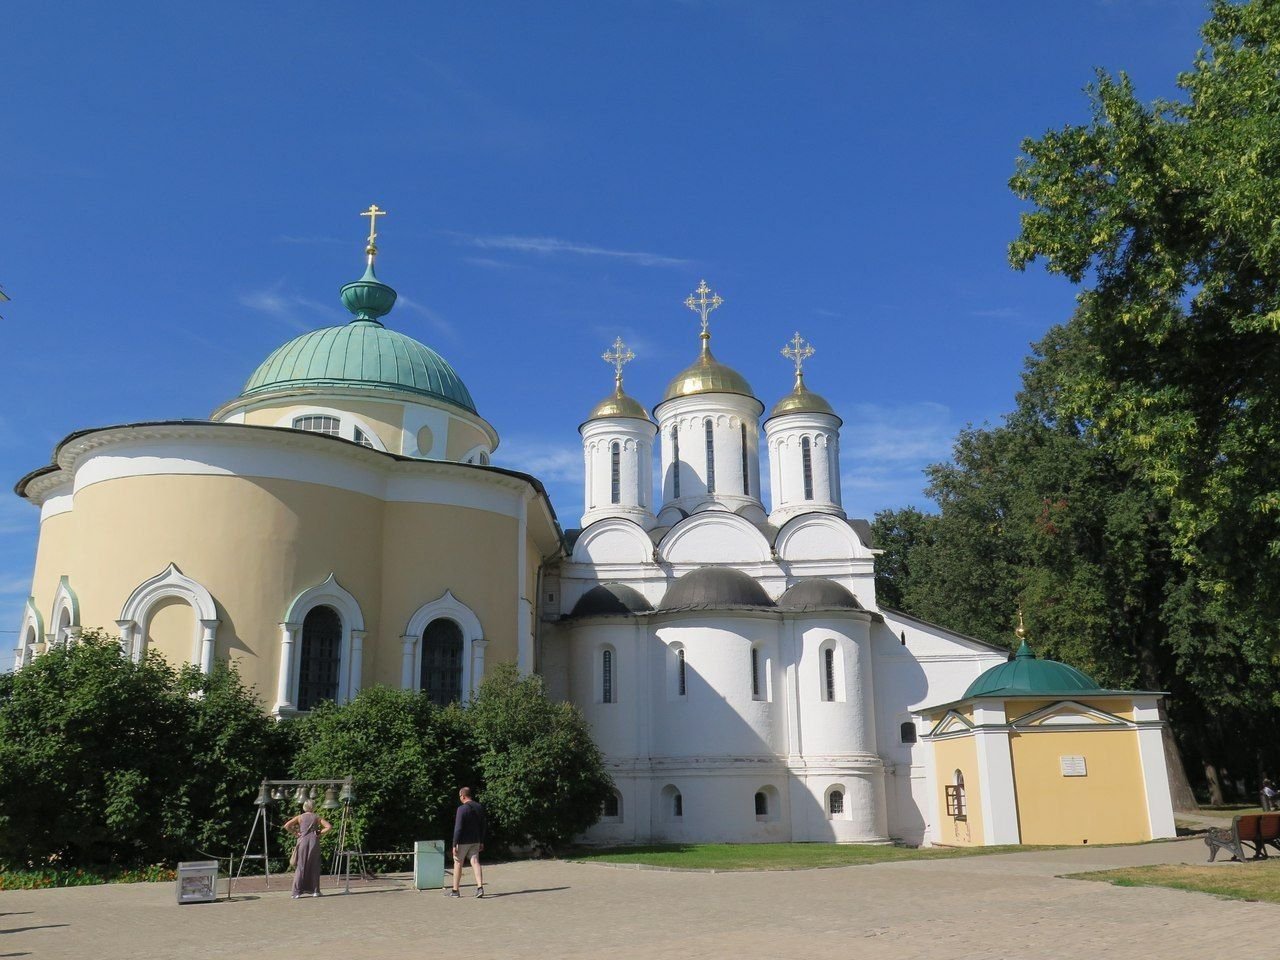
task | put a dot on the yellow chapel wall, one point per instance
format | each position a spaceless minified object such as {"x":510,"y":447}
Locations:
{"x":1108,"y":805}
{"x":1116,"y":706}
{"x":463,"y":437}
{"x":255,"y":544}
{"x":950,"y":755}
{"x":385,"y":419}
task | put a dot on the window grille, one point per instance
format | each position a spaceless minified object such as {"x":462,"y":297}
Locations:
{"x":318,"y":424}
{"x":829,"y":672}
{"x":680,"y":673}
{"x":907,"y":732}
{"x":755,"y":672}
{"x":320,"y":657}
{"x":675,"y":461}
{"x":746,"y":461}
{"x":362,"y":438}
{"x":806,"y":456}
{"x":615,"y":472}
{"x":835,"y":804}
{"x":711,"y":456}
{"x":956,"y":808}
{"x":606,"y":662}
{"x":441,"y":673}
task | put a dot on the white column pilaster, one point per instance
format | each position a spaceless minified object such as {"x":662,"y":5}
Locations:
{"x":477,"y":664}
{"x":995,"y":767}
{"x":289,"y":634}
{"x":407,"y":647}
{"x":524,"y":606}
{"x":208,"y":638}
{"x":128,"y":640}
{"x":1155,"y":771}
{"x":357,"y":662}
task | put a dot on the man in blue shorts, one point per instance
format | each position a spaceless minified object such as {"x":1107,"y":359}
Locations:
{"x":468,"y":841}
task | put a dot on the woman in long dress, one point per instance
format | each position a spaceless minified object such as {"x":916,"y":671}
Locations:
{"x":308,"y":828}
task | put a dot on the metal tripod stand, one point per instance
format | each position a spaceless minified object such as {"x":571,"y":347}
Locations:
{"x":299,"y":791}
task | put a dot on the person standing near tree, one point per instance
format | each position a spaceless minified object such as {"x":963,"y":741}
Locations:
{"x":308,"y":828}
{"x":468,"y":840}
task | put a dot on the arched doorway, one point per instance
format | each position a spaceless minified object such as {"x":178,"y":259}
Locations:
{"x":320,"y":659}
{"x":440,"y":677}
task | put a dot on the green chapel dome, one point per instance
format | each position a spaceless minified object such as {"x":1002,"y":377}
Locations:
{"x":1027,"y":675}
{"x":361,"y":354}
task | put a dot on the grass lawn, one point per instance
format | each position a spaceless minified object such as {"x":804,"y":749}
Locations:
{"x":776,"y":856}
{"x":1237,"y":881}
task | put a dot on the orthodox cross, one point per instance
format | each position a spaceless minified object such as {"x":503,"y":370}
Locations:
{"x":373,"y":213}
{"x":618,"y":358}
{"x":703,"y":305}
{"x":798,"y":351}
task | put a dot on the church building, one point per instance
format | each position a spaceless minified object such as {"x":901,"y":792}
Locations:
{"x":339,"y":524}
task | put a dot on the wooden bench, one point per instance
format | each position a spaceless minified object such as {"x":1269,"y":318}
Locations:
{"x":1256,"y":830}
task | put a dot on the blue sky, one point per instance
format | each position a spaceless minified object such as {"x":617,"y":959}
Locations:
{"x":181,"y":185}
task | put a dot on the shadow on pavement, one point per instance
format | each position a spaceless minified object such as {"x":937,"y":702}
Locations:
{"x":518,"y":893}
{"x":42,"y":926}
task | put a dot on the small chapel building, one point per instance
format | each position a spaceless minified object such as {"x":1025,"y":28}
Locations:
{"x":339,"y":524}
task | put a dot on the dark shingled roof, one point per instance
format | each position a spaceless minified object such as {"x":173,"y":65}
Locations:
{"x":818,"y":593}
{"x":610,"y":598}
{"x":715,"y":588}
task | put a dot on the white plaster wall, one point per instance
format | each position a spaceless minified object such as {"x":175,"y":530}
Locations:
{"x":728,"y":413}
{"x":785,"y":436}
{"x":635,"y":440}
{"x":847,"y":724}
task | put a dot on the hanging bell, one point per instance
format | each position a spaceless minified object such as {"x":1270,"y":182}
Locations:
{"x":277,"y":793}
{"x":348,"y":794}
{"x":263,"y":796}
{"x":330,"y":799}
{"x":314,"y":794}
{"x":300,"y":797}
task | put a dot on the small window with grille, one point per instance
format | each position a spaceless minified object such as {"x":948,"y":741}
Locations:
{"x":956,"y":808}
{"x":329,"y":426}
{"x":361,"y":438}
{"x":806,"y":455}
{"x":835,"y":803}
{"x":711,"y":455}
{"x":675,"y":461}
{"x":606,"y":666}
{"x":615,"y":472}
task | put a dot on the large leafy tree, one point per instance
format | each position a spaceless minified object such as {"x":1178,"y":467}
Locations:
{"x":1169,"y":216}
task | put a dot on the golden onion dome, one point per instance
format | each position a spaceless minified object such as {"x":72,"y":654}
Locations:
{"x":707,"y":375}
{"x":618,"y":404}
{"x":801,"y":400}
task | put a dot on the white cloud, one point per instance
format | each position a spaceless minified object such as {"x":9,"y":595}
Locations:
{"x":438,"y":323}
{"x":290,"y":309}
{"x":549,"y":462}
{"x":884,"y":450}
{"x":552,"y":246}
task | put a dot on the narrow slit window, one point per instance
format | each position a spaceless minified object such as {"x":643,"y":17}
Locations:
{"x":677,"y":806}
{"x":606,"y":679}
{"x":675,"y":461}
{"x":746,"y":463}
{"x":829,"y":673}
{"x":755,"y":672}
{"x":806,"y":457}
{"x":680,"y":673}
{"x":762,"y":804}
{"x":615,"y":472}
{"x":711,"y":455}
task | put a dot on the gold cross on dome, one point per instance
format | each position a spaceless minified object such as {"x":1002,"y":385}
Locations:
{"x":373,"y":213}
{"x":798,"y":351}
{"x":702,"y":304}
{"x":618,"y":358}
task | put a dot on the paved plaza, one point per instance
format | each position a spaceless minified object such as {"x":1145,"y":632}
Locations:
{"x":1009,"y":906}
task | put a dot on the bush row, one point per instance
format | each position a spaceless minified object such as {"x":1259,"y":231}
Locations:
{"x":107,"y":762}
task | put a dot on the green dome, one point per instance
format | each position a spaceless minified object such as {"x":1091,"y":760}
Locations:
{"x":1025,"y":675}
{"x":362,"y":354}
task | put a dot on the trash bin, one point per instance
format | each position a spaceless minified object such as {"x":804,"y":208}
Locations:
{"x":428,"y":864}
{"x":198,"y":881}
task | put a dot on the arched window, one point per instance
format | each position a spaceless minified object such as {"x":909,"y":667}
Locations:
{"x":441,"y":672}
{"x":318,"y":424}
{"x":711,"y":455}
{"x":835,"y":804}
{"x":361,"y":437}
{"x":320,"y":659}
{"x":606,"y":676}
{"x":746,"y":463}
{"x":829,"y":674}
{"x":762,"y":804}
{"x":615,"y":472}
{"x":907,"y":732}
{"x":806,"y":457}
{"x":612,"y":809}
{"x":956,"y":808}
{"x":677,"y":805}
{"x":755,"y":674}
{"x":675,"y":461}
{"x":680,"y":686}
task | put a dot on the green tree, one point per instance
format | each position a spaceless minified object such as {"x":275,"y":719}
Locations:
{"x":406,"y":756}
{"x":544,"y":777}
{"x":1169,"y":215}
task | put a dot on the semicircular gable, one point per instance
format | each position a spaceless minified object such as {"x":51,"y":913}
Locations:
{"x":613,"y":540}
{"x":714,"y":537}
{"x":819,"y":536}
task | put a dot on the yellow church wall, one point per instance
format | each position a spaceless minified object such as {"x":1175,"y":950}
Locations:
{"x":56,"y":535}
{"x":385,"y":419}
{"x":463,"y":437}
{"x":958,"y":753}
{"x":1108,"y":805}
{"x":171,"y":631}
{"x":1116,"y":706}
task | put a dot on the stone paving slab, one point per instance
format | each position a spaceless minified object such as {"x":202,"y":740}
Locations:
{"x":1010,"y":906}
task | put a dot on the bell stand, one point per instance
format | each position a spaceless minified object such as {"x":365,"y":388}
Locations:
{"x":342,"y":857}
{"x":270,"y":791}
